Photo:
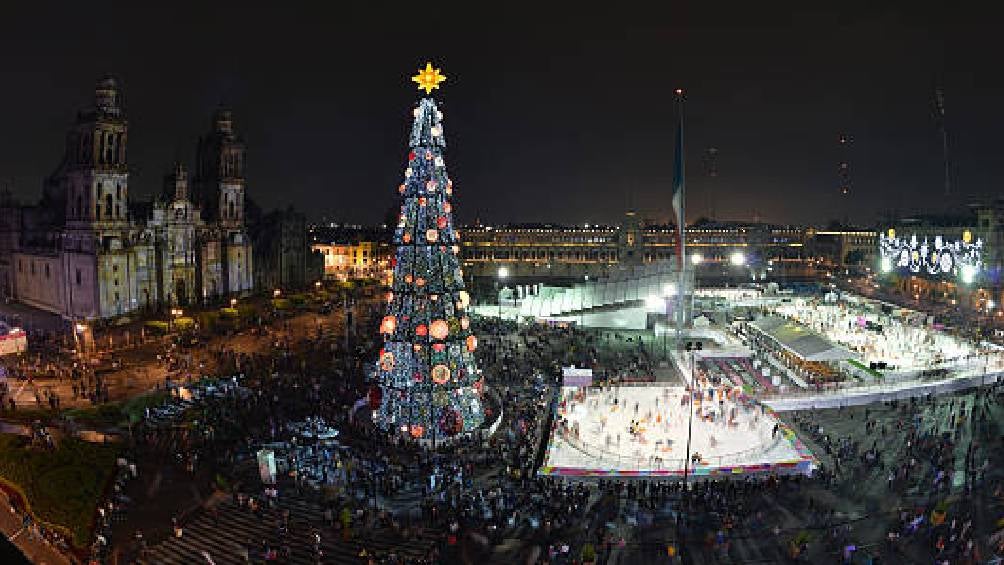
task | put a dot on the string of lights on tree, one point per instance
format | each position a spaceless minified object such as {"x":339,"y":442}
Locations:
{"x":429,"y":384}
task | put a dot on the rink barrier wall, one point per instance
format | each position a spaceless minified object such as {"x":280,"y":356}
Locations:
{"x":858,"y":396}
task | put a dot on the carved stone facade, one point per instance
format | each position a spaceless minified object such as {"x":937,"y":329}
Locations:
{"x":283,"y":256}
{"x":88,"y":252}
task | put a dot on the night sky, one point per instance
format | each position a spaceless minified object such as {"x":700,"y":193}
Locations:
{"x":564,"y":116}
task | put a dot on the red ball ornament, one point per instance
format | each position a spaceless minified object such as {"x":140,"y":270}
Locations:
{"x":421,"y":330}
{"x":386,"y":360}
{"x":411,"y":155}
{"x":421,"y":201}
{"x":441,"y":222}
{"x":375,"y":397}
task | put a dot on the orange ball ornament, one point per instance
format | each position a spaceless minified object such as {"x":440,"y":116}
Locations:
{"x":472,"y":343}
{"x":388,"y":324}
{"x":422,"y":330}
{"x":439,"y":329}
{"x":417,"y":431}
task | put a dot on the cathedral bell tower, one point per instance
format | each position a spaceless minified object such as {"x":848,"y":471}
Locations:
{"x":219,"y":183}
{"x":94,"y":165}
{"x":220,"y":174}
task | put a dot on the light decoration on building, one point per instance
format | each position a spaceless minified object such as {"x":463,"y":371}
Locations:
{"x":940,"y":257}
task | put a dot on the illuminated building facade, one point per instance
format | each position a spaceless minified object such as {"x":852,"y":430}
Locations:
{"x":549,"y":250}
{"x":945,"y":258}
{"x":88,"y":250}
{"x":352,"y":252}
{"x":843,"y":247}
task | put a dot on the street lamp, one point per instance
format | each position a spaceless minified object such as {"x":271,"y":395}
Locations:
{"x":276,"y":293}
{"x":692,"y":348}
{"x":175,"y":313}
{"x":233,"y":302}
{"x":80,"y":337}
{"x":503,"y":273}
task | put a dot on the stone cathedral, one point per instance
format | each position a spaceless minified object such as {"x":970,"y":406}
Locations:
{"x":87,"y":251}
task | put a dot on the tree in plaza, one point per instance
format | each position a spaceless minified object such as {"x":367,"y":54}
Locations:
{"x":429,"y":384}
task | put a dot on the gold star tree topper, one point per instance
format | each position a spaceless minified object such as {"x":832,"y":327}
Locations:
{"x":428,"y":79}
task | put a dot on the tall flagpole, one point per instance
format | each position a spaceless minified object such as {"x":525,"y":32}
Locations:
{"x":679,"y":203}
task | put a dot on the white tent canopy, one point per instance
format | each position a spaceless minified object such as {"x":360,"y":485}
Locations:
{"x":800,"y":340}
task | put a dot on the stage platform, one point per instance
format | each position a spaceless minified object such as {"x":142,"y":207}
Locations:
{"x":641,"y":431}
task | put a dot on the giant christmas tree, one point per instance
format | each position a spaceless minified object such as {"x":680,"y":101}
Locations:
{"x":429,"y":384}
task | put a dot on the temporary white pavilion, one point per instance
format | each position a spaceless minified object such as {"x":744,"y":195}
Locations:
{"x":801,"y":341}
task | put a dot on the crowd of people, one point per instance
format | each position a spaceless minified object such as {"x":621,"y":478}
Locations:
{"x":920,"y":473}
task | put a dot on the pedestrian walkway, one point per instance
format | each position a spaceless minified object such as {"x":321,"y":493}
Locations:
{"x":225,"y":541}
{"x":35,"y":549}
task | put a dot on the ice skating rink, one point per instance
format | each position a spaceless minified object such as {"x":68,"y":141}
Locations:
{"x":642,"y":430}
